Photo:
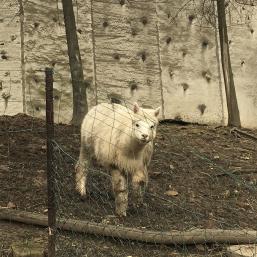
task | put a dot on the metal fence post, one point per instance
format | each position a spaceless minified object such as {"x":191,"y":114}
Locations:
{"x":50,"y":159}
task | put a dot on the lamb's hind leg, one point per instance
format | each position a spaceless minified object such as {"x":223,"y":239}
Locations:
{"x":120,"y":189}
{"x":81,"y":170}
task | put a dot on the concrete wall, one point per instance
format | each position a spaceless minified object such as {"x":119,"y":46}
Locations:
{"x":45,"y":46}
{"x":133,"y":51}
{"x":10,"y":63}
{"x":126,"y":51}
{"x":190,"y":72}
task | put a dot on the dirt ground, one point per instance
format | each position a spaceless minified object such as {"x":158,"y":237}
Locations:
{"x":209,"y":173}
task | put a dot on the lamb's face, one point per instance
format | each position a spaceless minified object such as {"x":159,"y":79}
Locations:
{"x":144,"y":130}
{"x":145,"y":124}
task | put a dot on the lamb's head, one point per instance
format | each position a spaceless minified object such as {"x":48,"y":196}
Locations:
{"x":145,"y":123}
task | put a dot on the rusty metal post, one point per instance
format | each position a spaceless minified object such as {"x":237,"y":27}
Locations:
{"x":50,"y":159}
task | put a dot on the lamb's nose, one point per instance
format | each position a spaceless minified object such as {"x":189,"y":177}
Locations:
{"x":144,"y":136}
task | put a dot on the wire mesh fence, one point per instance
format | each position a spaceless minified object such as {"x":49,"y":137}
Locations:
{"x":201,"y":195}
{"x":189,"y":190}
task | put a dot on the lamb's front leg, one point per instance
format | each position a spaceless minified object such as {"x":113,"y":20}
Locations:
{"x":139,"y":184}
{"x":81,"y":170}
{"x":120,"y":189}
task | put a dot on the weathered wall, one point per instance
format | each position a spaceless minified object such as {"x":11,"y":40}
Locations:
{"x":190,"y":73}
{"x":10,"y":64}
{"x":132,"y":51}
{"x":126,"y":51}
{"x":119,"y":55}
{"x":45,"y":46}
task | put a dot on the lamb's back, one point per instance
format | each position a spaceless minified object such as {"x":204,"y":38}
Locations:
{"x":105,"y":129}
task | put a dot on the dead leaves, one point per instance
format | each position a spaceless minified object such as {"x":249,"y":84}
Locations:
{"x":10,"y":205}
{"x":172,"y":193}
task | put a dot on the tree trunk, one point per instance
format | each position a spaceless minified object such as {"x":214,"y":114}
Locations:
{"x":22,"y":55}
{"x":233,"y":112}
{"x":80,"y":106}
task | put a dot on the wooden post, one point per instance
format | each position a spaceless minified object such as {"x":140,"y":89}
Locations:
{"x":50,"y":169}
{"x":233,"y":111}
{"x":80,"y":106}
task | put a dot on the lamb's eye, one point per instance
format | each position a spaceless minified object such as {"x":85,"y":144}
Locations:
{"x":152,"y":127}
{"x":137,"y":125}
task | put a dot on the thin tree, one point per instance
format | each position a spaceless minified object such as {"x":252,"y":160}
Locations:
{"x":21,"y":13}
{"x":233,"y":111}
{"x":80,"y":106}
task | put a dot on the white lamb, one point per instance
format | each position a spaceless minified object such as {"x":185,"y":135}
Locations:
{"x":121,"y":140}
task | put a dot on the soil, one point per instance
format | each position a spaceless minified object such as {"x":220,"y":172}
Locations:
{"x":200,"y":177}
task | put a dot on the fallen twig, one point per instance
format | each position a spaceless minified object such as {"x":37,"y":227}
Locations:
{"x":239,"y":171}
{"x":233,"y":130}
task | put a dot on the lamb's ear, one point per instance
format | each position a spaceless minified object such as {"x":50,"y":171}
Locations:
{"x":136,"y":108}
{"x":157,"y":111}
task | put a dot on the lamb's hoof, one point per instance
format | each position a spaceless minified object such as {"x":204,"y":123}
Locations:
{"x":82,"y":193}
{"x":138,"y":203}
{"x":137,"y":206}
{"x":83,"y":197}
{"x":121,"y":214}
